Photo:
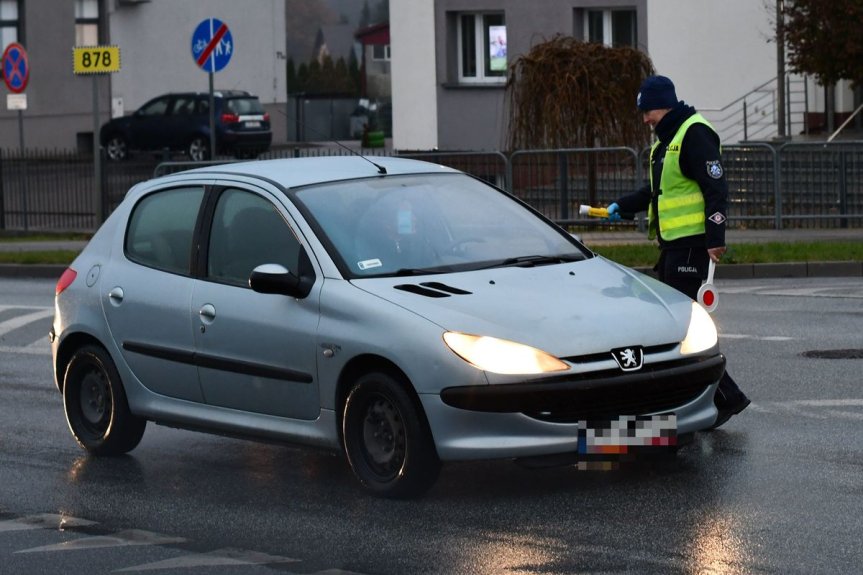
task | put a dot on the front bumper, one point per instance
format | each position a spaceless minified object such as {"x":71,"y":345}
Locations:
{"x":541,"y":417}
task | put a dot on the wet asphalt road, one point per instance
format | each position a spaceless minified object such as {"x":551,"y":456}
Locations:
{"x":777,"y":490}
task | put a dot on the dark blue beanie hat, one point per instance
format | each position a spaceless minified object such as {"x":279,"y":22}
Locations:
{"x":656,"y":93}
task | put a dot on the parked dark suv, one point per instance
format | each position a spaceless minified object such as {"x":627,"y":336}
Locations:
{"x":180,"y":122}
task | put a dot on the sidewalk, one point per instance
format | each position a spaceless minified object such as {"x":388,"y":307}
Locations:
{"x":593,"y":238}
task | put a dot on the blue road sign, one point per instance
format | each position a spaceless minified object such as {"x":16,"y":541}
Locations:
{"x":212,"y":45}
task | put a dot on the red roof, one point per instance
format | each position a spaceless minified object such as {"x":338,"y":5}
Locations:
{"x":377,"y":35}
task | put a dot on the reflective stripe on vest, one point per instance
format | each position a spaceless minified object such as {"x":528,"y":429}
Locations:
{"x":681,"y":203}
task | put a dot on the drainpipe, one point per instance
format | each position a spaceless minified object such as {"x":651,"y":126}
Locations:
{"x":780,"y":68}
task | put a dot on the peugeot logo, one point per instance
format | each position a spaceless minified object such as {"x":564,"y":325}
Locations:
{"x":629,"y":358}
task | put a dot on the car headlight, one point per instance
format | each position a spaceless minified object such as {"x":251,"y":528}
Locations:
{"x":701,"y":334}
{"x":500,"y":355}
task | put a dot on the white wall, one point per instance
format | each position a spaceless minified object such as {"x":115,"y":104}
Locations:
{"x":714,"y":51}
{"x":155,"y":40}
{"x":412,"y":40}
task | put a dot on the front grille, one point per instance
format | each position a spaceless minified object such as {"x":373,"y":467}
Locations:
{"x":570,"y":398}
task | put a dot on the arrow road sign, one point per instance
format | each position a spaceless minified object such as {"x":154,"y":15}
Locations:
{"x":16,"y":68}
{"x":212,"y":45}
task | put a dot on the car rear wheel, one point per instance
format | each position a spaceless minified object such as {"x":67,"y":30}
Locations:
{"x":117,"y":149}
{"x":199,"y":149}
{"x":387,"y":439}
{"x":96,"y":408}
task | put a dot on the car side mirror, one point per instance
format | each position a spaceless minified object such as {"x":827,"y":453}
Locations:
{"x":277,"y":279}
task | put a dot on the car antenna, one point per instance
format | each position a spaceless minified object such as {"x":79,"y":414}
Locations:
{"x":381,"y":169}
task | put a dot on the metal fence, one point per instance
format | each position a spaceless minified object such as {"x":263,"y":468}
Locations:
{"x":795,"y":185}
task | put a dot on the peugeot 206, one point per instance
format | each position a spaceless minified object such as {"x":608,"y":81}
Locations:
{"x":403,"y":312}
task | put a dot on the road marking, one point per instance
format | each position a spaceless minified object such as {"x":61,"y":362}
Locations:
{"x":217,"y":558}
{"x":755,"y":337}
{"x":22,"y":320}
{"x":128,"y":538}
{"x":815,"y":408}
{"x":43,"y":521}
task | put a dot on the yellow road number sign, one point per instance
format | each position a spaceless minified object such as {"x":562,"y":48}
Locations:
{"x":96,"y":59}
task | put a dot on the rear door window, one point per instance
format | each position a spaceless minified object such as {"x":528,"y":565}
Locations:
{"x":161,"y":229}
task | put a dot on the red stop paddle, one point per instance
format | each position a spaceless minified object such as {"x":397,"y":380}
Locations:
{"x":707,"y":295}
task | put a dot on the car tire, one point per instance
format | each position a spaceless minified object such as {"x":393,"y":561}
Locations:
{"x":199,"y":149}
{"x":96,"y":407}
{"x":117,"y":148}
{"x":387,"y":438}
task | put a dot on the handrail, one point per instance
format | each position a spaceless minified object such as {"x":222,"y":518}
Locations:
{"x":845,"y":123}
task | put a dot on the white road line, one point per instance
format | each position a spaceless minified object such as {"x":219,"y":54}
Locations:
{"x":22,"y":320}
{"x":814,"y":408}
{"x":219,"y":557}
{"x":756,"y":337}
{"x":43,"y":521}
{"x":25,"y":350}
{"x":128,"y":538}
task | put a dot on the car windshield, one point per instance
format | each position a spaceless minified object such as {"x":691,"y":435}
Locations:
{"x":244,"y":106}
{"x":429,"y":223}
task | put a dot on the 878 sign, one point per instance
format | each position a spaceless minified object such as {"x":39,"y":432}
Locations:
{"x":96,"y":59}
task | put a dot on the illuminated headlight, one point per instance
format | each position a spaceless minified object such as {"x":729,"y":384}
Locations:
{"x":701,"y":334}
{"x":501,"y":356}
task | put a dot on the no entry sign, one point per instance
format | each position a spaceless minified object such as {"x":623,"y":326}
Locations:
{"x":16,"y":68}
{"x":212,"y":45}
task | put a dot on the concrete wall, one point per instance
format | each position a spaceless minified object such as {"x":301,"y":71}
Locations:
{"x":415,"y":106}
{"x":155,"y":41}
{"x":59,"y":104}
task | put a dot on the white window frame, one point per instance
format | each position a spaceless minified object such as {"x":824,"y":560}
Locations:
{"x":86,"y":22}
{"x":386,"y":57}
{"x":10,"y":22}
{"x":607,"y":29}
{"x":478,"y":48}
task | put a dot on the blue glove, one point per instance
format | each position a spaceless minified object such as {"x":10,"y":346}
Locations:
{"x":613,"y":212}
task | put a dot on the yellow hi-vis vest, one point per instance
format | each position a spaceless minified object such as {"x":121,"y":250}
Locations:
{"x":681,"y":203}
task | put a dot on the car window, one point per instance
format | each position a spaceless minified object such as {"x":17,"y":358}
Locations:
{"x":161,"y":228}
{"x":184,"y":106}
{"x":248,"y":231}
{"x":244,"y":106}
{"x":157,"y":107}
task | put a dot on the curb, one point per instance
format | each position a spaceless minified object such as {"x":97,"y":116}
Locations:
{"x":723,"y":271}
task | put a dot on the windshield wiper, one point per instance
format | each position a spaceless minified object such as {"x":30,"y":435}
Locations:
{"x":536,"y":260}
{"x":416,"y":272}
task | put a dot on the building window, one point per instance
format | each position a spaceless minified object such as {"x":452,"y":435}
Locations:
{"x":611,"y":27}
{"x":482,"y":48}
{"x":9,"y":23}
{"x":381,"y":52}
{"x":86,"y":22}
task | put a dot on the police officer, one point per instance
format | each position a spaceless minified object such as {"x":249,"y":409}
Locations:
{"x":685,"y":201}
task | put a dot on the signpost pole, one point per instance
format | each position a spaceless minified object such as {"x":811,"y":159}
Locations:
{"x":25,"y":189}
{"x":97,"y":154}
{"x":212,"y":121}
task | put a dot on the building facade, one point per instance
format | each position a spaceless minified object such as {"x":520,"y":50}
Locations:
{"x":155,"y":39}
{"x":449,"y":60}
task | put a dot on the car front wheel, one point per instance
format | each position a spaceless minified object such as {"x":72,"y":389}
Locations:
{"x":96,"y":408}
{"x":117,"y":149}
{"x":199,"y":149}
{"x":387,"y":439}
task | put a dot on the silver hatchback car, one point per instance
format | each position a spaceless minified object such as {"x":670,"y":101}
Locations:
{"x":403,"y":312}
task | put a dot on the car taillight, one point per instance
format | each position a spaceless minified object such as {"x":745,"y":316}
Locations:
{"x":266,"y":117}
{"x":65,"y":280}
{"x":230,"y":118}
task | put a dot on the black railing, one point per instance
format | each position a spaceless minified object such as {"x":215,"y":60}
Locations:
{"x":790,"y":186}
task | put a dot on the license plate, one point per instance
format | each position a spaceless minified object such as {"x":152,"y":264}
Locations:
{"x":253,"y":124}
{"x":627,"y":434}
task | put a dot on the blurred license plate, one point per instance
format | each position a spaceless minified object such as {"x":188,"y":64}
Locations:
{"x":253,"y":124}
{"x":627,"y":434}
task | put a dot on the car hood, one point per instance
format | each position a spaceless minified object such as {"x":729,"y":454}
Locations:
{"x":564,"y":309}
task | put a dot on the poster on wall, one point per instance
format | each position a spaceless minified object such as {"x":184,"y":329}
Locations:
{"x":497,"y":48}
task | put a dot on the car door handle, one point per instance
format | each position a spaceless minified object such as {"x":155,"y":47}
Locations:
{"x":116,"y":295}
{"x":207,"y":313}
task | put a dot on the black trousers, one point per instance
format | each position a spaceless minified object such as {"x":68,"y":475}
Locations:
{"x":685,"y":269}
